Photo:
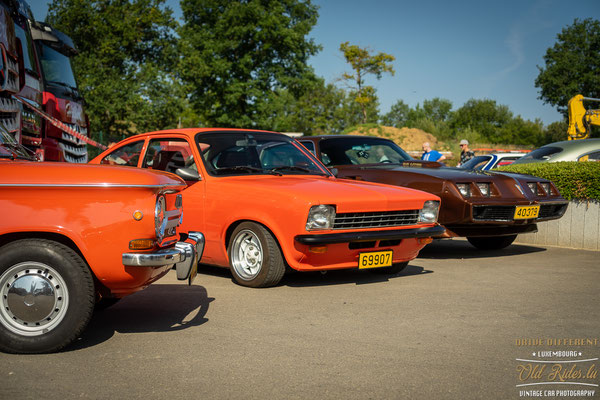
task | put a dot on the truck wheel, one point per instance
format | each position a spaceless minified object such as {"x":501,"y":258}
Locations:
{"x":47,"y":296}
{"x":491,"y":242}
{"x":394,"y":269}
{"x":255,"y":259}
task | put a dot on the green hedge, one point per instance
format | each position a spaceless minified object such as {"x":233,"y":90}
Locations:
{"x":575,"y":180}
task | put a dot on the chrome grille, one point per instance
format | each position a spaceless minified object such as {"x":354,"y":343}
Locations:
{"x":375,"y":219}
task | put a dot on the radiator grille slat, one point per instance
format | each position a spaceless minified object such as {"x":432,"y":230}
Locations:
{"x":376,"y":219}
{"x":493,"y":213}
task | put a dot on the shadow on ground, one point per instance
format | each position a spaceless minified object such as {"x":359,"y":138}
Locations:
{"x":294,"y":278}
{"x":459,"y":248}
{"x":344,"y":277}
{"x":158,"y":308}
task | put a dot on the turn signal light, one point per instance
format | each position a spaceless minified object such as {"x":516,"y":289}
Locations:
{"x":141,"y":244}
{"x":318,"y":249}
{"x":425,"y":240}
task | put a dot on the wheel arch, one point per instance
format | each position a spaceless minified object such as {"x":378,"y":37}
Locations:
{"x":235,"y":224}
{"x":56,"y":237}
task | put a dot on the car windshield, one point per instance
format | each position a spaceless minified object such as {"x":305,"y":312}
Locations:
{"x":361,"y":150}
{"x":9,"y":148}
{"x":57,"y":68}
{"x":477,"y":162}
{"x":543,"y":153}
{"x":241,"y":153}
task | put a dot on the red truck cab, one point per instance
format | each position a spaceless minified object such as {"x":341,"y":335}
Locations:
{"x":61,"y":97}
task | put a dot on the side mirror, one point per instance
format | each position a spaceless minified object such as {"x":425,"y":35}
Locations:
{"x":188,"y":174}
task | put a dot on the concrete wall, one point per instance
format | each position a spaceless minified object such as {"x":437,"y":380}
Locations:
{"x":579,"y":228}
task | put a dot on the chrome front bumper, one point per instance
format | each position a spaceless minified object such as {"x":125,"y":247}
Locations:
{"x":185,"y":255}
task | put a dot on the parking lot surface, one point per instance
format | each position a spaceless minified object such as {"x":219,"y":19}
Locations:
{"x":458,"y":323}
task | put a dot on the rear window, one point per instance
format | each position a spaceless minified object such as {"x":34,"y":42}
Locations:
{"x":477,"y":162}
{"x":543,"y":153}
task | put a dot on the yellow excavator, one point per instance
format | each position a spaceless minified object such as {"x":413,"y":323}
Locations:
{"x":580,"y":118}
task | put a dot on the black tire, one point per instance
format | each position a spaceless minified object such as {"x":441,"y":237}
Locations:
{"x":393,"y":270}
{"x":255,"y":259}
{"x":47,"y":295}
{"x":491,"y":242}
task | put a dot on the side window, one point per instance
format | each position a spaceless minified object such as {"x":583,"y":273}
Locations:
{"x":168,"y":154}
{"x":594,"y":156}
{"x":309,"y":145}
{"x":125,"y":155}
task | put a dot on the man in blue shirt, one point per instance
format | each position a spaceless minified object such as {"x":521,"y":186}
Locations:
{"x":431,"y":155}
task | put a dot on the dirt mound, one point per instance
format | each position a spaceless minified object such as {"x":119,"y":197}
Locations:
{"x":410,"y":139}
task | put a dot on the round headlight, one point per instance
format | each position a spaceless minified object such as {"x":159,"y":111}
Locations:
{"x":160,"y":220}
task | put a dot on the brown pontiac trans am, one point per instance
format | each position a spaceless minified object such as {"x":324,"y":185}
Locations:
{"x":488,"y":208}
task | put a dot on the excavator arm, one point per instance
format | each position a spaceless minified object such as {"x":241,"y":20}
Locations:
{"x":580,"y":118}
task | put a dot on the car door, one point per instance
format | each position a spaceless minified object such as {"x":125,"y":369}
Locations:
{"x":170,"y":153}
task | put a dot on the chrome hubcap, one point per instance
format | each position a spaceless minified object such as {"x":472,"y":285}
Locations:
{"x":247,"y":255}
{"x":34,"y":298}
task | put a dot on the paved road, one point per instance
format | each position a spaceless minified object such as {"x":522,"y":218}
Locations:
{"x":452,"y":325}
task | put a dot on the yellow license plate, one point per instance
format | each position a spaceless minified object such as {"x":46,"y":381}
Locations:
{"x":526,"y":212}
{"x":375,"y":259}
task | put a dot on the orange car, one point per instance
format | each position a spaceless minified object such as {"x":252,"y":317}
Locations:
{"x":264,"y":203}
{"x":73,"y":237}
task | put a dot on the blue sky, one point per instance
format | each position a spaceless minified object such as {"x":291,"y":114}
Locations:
{"x":456,"y":50}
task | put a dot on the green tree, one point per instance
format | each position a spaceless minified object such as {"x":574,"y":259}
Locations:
{"x":555,"y":132}
{"x":364,"y":63}
{"x":572,"y":65}
{"x":482,"y":116}
{"x":437,"y":109}
{"x":321,"y":110}
{"x":126,"y":48}
{"x":398,"y":115}
{"x":238,"y":57}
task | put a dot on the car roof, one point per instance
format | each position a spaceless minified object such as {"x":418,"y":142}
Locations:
{"x":190,"y":132}
{"x":576,"y":144}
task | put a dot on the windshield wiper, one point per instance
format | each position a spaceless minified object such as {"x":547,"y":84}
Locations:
{"x":247,"y":168}
{"x":289,"y":168}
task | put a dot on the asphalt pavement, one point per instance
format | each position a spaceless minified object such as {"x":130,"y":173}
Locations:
{"x":458,"y":323}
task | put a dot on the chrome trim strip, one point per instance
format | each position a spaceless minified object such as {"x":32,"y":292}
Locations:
{"x":84,"y":185}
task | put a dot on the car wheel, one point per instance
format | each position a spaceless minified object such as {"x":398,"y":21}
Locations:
{"x":491,"y":242}
{"x":394,"y":269}
{"x":47,"y":295}
{"x":255,"y":259}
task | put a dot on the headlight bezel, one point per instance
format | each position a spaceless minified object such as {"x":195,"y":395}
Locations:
{"x":320,"y":217}
{"x":464,"y":189}
{"x":160,"y":217}
{"x":485,"y":188}
{"x":546,"y":187}
{"x":429,"y":213}
{"x":533,"y":187}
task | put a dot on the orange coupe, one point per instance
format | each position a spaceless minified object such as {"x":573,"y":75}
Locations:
{"x":264,"y":203}
{"x":74,"y":237}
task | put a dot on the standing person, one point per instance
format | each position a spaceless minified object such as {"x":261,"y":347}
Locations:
{"x":431,"y":155}
{"x":465,"y":154}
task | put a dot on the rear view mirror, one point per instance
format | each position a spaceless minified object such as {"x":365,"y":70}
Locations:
{"x":188,"y":174}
